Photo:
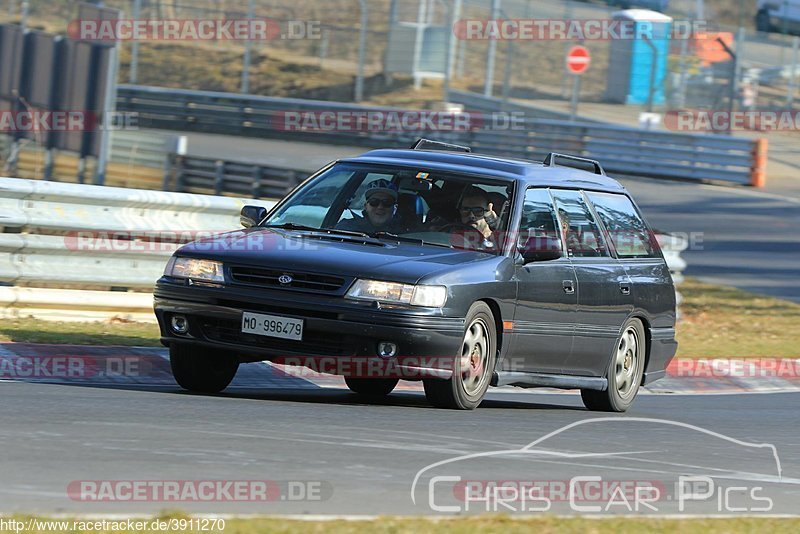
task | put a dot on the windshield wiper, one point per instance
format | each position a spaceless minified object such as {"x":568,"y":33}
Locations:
{"x":293,"y":226}
{"x":417,"y":240}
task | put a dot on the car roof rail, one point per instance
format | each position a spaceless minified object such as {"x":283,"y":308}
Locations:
{"x":550,"y":161}
{"x":428,"y":144}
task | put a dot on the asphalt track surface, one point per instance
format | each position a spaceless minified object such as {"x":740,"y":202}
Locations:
{"x":361,"y":457}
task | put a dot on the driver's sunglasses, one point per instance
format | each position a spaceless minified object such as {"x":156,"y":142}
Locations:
{"x":476,"y":211}
{"x":375,"y":202}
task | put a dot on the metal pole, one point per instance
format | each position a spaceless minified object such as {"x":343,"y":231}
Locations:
{"x":419,"y":40}
{"x":682,"y":76}
{"x":362,"y":50}
{"x":448,"y":58}
{"x":323,"y":47}
{"x":576,"y":90}
{"x":732,"y":82}
{"x":490,"y":54}
{"x":134,"y":69}
{"x":793,"y":76}
{"x":23,"y":21}
{"x":246,"y":60}
{"x":507,"y":73}
{"x":109,"y":105}
{"x":652,"y":85}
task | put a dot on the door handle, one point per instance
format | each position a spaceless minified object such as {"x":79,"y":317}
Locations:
{"x":625,"y":288}
{"x":569,"y":287}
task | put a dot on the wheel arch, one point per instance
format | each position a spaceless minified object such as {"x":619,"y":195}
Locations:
{"x":497,"y":315}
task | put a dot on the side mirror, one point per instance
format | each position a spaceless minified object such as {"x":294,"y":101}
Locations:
{"x":252,"y":215}
{"x":541,"y":248}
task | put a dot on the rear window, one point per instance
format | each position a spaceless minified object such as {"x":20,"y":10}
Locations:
{"x":627,"y":230}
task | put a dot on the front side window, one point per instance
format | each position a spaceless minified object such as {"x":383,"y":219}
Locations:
{"x":435,"y":207}
{"x":626,"y":229}
{"x":578,"y":228}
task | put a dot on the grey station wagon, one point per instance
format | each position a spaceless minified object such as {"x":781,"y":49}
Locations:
{"x":436,"y":264}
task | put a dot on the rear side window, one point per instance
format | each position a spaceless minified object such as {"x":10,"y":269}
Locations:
{"x":627,"y":230}
{"x":578,"y":227}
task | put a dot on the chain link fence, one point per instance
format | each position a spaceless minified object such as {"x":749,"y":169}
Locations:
{"x":331,"y":49}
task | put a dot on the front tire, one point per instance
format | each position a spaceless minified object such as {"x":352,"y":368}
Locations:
{"x":624,"y":373}
{"x":472,"y":371}
{"x":371,"y":387}
{"x":200,"y":369}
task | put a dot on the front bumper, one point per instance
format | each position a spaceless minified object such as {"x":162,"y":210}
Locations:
{"x":334,"y":330}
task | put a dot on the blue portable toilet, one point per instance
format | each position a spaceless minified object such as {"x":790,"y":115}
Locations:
{"x":631,"y":57}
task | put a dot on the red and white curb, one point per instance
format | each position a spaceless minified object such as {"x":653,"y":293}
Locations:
{"x":149,"y":367}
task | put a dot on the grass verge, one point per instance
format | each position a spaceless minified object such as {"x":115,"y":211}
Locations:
{"x":495,"y":523}
{"x":722,"y":321}
{"x":30,"y":330}
{"x":718,"y":321}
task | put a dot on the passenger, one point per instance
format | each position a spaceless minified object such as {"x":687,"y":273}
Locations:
{"x":380,"y":205}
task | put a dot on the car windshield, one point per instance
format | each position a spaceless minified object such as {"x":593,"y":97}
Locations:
{"x":427,"y":206}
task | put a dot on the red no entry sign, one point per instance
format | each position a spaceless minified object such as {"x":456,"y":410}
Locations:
{"x":578,"y":59}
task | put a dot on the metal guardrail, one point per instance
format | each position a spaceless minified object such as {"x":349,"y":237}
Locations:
{"x":213,"y":176}
{"x":243,"y":115}
{"x":57,"y":235}
{"x":622,"y":149}
{"x":476,"y":102}
{"x":148,"y":149}
{"x":64,"y":247}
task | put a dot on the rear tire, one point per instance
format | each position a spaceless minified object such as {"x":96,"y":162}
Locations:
{"x":624,"y":373}
{"x":200,"y":369}
{"x":372,"y":387}
{"x":472,"y":371}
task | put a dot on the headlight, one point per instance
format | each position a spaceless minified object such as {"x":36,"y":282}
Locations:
{"x":207,"y":270}
{"x":393,"y":292}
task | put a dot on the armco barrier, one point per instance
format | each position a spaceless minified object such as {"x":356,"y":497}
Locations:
{"x":194,"y":174}
{"x":621,"y":149}
{"x":58,"y":235}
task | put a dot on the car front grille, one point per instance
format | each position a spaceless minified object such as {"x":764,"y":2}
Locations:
{"x":257,"y":276}
{"x":313,"y":343}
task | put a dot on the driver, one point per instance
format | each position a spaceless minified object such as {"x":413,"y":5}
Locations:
{"x":380,"y":204}
{"x":474,"y":229}
{"x":476,"y":211}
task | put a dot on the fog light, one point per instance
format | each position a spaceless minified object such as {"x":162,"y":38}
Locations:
{"x":386,"y":349}
{"x":179,"y":324}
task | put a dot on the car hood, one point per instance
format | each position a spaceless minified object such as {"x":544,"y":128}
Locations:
{"x":306,"y":251}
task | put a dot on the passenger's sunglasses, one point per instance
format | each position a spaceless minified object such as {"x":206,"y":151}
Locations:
{"x":375,"y":202}
{"x":476,"y":211}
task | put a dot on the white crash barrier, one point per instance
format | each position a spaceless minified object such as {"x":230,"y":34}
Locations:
{"x":85,"y":240}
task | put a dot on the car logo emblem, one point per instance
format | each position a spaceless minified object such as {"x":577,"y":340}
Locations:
{"x":285,"y":279}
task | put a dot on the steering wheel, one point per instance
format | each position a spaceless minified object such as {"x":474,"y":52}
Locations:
{"x":480,"y":242}
{"x":455,"y":226}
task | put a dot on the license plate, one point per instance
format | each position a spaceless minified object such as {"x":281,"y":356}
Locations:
{"x":272,"y":326}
